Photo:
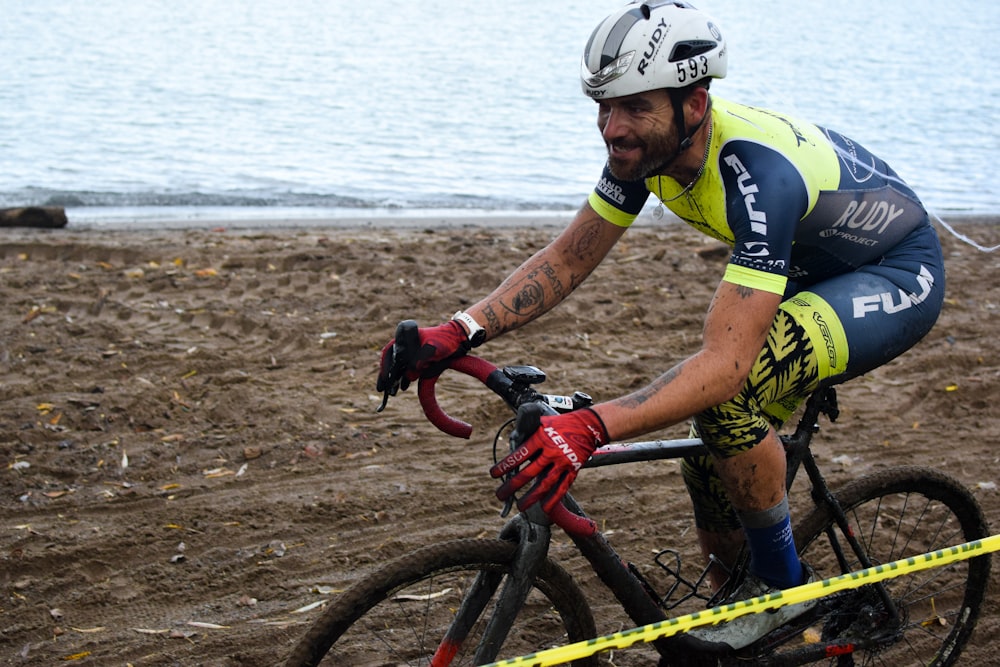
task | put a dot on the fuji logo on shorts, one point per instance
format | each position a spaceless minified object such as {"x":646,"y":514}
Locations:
{"x":872,"y":303}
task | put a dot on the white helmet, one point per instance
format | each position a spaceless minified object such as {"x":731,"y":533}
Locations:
{"x":650,"y":45}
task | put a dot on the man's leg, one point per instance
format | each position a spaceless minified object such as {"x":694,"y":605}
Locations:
{"x":839,"y":329}
{"x":720,"y":534}
{"x":722,"y":546}
{"x":742,"y":486}
{"x":755,"y":483}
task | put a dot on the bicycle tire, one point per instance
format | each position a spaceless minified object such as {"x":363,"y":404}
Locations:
{"x":896,"y":513}
{"x":398,"y":614}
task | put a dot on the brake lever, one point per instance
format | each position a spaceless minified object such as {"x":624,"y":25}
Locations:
{"x":406,"y":341}
{"x":528,"y":421}
{"x":508,"y":505}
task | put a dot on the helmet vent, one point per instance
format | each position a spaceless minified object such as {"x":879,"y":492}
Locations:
{"x":691,"y":48}
{"x":648,"y":7}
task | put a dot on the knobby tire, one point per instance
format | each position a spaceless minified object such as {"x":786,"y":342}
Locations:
{"x":399,"y":614}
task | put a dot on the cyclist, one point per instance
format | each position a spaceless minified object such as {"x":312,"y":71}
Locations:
{"x":835,"y":269}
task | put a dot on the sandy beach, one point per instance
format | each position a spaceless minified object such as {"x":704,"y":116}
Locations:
{"x":190,"y":450}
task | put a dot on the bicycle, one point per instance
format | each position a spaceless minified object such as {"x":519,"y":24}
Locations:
{"x":473,"y":601}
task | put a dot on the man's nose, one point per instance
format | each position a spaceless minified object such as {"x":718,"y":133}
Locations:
{"x":612,"y":124}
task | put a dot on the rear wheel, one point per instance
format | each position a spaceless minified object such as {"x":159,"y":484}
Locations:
{"x":895,"y":514}
{"x":399,"y":614}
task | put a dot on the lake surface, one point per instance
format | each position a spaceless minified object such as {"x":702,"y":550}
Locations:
{"x":129,"y":109}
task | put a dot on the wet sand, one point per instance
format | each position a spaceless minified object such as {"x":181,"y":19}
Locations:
{"x":189,"y":432}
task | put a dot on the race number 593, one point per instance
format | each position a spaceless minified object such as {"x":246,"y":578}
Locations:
{"x":692,"y":69}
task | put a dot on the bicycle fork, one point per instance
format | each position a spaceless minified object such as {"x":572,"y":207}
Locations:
{"x":533,"y":538}
{"x":532,"y":532}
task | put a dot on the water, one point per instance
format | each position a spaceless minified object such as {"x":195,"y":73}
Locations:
{"x":126,"y":110}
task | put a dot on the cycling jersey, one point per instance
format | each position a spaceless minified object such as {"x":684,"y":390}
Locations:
{"x":815,"y":217}
{"x":798,"y":203}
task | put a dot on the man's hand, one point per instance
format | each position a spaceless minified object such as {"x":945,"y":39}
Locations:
{"x":556,"y":449}
{"x":418,"y":352}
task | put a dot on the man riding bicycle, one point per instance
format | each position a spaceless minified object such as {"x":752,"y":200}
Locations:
{"x":835,"y":270}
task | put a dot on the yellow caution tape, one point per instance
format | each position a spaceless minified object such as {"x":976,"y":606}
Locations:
{"x":812,"y":591}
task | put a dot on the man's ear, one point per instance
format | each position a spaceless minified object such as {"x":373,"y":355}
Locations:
{"x":696,"y":105}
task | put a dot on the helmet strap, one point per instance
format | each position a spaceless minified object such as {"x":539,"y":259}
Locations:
{"x":677,"y":97}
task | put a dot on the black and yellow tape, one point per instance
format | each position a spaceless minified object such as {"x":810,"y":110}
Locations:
{"x":621,"y":640}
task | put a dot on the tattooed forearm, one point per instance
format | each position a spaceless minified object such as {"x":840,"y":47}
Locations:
{"x":553,"y":279}
{"x":744,"y":291}
{"x":493,"y":324}
{"x":636,"y":399}
{"x":585,"y":240}
{"x":550,"y":275}
{"x":527,"y":296}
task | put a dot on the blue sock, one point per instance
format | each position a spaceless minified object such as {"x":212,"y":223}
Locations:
{"x":772,"y":546}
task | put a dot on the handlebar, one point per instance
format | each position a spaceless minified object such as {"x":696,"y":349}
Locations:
{"x":476,"y":367}
{"x":515,"y":393}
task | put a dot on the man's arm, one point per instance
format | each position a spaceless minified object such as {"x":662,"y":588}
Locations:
{"x":534,"y":288}
{"x":549,"y":276}
{"x":736,"y":329}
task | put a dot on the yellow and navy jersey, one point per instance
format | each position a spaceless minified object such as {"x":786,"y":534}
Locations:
{"x":796,"y":202}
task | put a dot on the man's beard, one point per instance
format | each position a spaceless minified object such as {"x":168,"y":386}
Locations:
{"x":658,"y":151}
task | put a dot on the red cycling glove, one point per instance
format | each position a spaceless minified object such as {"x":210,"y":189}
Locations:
{"x":415,"y":352}
{"x":556,"y":451}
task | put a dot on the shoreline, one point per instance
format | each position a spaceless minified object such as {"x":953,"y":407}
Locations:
{"x":235,"y":220}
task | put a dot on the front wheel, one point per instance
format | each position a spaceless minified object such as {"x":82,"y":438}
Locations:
{"x":895,"y":514}
{"x":399,"y":614}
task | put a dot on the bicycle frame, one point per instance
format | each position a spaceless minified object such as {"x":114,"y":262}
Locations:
{"x":531,"y":529}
